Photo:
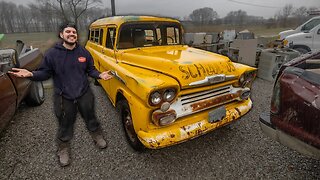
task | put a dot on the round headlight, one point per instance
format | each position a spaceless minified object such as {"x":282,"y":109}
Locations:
{"x":169,"y":95}
{"x":246,"y":78}
{"x":242,"y":78}
{"x":155,"y":98}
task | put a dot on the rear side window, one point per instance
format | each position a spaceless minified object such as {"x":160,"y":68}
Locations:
{"x":91,"y":35}
{"x":96,"y":35}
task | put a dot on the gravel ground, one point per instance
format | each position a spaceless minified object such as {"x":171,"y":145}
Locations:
{"x":238,"y":151}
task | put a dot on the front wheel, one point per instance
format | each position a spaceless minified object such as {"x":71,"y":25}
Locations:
{"x":127,"y":123}
{"x":36,"y":94}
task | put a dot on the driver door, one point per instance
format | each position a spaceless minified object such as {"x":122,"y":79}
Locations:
{"x":108,"y":61}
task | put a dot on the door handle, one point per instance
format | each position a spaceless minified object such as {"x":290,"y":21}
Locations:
{"x":308,"y":37}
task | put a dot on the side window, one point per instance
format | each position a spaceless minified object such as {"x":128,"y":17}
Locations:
{"x":91,"y":35}
{"x":100,"y":36}
{"x":310,"y":25}
{"x":177,"y":35}
{"x":96,"y":36}
{"x":111,"y":35}
{"x":158,"y":31}
{"x":173,"y":35}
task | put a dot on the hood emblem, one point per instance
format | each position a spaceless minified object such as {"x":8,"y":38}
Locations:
{"x":213,"y":79}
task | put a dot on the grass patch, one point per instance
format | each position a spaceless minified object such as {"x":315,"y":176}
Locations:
{"x":41,"y":40}
{"x":45,"y":40}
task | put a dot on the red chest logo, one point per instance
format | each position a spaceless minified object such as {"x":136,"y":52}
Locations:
{"x":82,"y":59}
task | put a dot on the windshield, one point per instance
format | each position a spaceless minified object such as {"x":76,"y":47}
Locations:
{"x":310,"y":25}
{"x":149,"y":34}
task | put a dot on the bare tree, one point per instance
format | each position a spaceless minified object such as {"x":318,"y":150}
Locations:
{"x":7,"y":11}
{"x":287,"y":10}
{"x":3,"y":28}
{"x":236,"y":17}
{"x":45,"y":15}
{"x":24,"y":18}
{"x":70,"y":10}
{"x":203,"y":15}
{"x":284,"y":13}
{"x":301,"y":14}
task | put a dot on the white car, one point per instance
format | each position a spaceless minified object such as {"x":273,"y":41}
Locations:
{"x":307,"y":26}
{"x":304,"y":41}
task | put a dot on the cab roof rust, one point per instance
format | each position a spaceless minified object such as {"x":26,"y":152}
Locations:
{"x":118,"y":20}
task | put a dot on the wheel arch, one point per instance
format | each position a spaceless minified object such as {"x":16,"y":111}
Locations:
{"x":301,"y":46}
{"x":120,"y":96}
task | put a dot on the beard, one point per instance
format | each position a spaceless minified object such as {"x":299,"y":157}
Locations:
{"x":68,"y":42}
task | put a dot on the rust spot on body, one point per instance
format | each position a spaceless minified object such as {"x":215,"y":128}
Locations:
{"x":199,"y":131}
{"x":238,"y":111}
{"x":157,"y":115}
{"x":211,"y":102}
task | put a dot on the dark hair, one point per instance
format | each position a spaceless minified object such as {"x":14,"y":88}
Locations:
{"x":65,"y":25}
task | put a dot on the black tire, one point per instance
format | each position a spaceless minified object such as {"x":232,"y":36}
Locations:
{"x":36,"y":94}
{"x":301,"y":50}
{"x":125,"y":116}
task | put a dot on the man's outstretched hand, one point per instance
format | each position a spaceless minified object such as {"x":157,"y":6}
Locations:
{"x":20,"y":72}
{"x":106,"y":75}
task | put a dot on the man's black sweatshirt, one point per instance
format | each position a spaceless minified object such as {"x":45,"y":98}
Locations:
{"x":69,"y":70}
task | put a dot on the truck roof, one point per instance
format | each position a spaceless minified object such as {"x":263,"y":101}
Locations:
{"x":118,"y":20}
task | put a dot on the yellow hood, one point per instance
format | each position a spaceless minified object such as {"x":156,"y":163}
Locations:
{"x":187,"y":65}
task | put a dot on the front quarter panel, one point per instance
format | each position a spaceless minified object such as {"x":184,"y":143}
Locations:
{"x":300,"y":108}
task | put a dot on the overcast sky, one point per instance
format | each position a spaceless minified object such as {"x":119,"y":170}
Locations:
{"x":181,"y":8}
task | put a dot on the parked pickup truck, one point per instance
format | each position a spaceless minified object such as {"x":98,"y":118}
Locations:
{"x":307,"y":26}
{"x":166,"y":92}
{"x":304,"y":41}
{"x":14,"y":90}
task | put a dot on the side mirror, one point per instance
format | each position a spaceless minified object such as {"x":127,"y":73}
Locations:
{"x":8,"y":59}
{"x":318,"y":31}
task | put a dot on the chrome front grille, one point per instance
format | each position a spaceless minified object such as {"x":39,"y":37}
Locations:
{"x":196,"y":97}
{"x":196,"y":102}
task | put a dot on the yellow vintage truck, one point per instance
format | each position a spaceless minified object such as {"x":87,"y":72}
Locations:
{"x":165,"y":91}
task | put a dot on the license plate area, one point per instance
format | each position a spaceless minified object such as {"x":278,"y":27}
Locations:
{"x":217,"y":114}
